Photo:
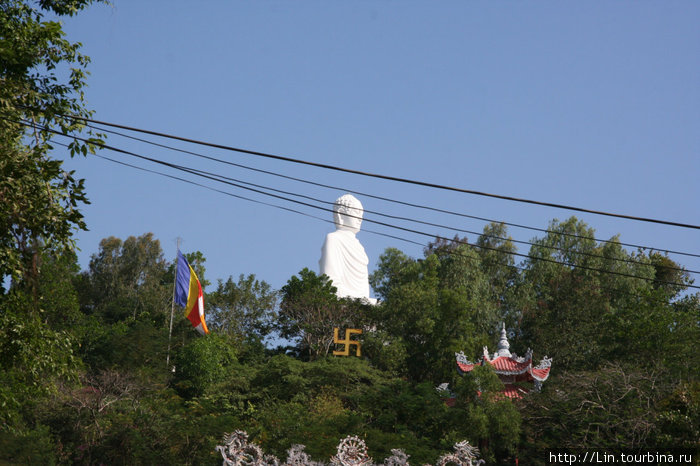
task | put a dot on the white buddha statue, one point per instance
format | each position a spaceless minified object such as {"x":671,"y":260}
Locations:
{"x":343,"y":258}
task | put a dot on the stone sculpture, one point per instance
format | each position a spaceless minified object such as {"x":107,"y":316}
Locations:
{"x":343,"y":259}
{"x":351,"y":451}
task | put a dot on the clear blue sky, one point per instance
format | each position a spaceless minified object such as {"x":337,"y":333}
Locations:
{"x":592,"y":104}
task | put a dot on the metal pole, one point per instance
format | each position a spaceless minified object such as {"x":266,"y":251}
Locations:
{"x":172,"y":309}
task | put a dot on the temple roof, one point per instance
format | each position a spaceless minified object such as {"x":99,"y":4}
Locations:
{"x":506,"y":363}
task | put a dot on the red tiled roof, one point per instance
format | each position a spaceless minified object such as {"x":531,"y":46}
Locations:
{"x":509,"y":366}
{"x":540,"y":374}
{"x":505,"y":365}
{"x":465,"y":367}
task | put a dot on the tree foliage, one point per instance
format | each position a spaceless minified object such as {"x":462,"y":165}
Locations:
{"x":127,"y":279}
{"x":244,"y":310}
{"x":39,"y":200}
{"x":310,"y":310}
{"x":41,"y":79}
{"x":585,"y":305}
{"x":202,"y":363}
{"x":617,"y":407}
{"x":432,"y":308}
{"x":91,"y":363}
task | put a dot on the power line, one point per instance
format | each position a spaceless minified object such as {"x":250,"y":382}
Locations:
{"x":409,"y":230}
{"x":268,"y":204}
{"x":535,"y":258}
{"x":667,"y":251}
{"x":399,"y":202}
{"x":450,"y":252}
{"x":199,"y":173}
{"x":388,"y":177}
{"x":396,"y":217}
{"x":217,"y":177}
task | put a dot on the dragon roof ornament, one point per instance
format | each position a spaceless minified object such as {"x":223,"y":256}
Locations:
{"x":461,"y":358}
{"x":545,"y":363}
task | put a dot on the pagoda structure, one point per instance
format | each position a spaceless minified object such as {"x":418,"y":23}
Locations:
{"x":517,"y":373}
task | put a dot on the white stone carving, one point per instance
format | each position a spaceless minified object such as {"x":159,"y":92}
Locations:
{"x":464,"y":455}
{"x":343,"y":258}
{"x":352,"y":451}
{"x":236,"y":451}
{"x":462,"y":358}
{"x":398,"y":458}
{"x":503,"y":345}
{"x":544,"y":363}
{"x":297,"y":457}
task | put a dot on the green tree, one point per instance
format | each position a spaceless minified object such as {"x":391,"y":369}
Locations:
{"x":310,"y":310}
{"x":282,"y":401}
{"x":59,"y":300}
{"x":483,"y":414}
{"x":244,"y":310}
{"x":590,"y":303}
{"x":38,"y":214}
{"x":33,"y":360}
{"x":497,"y":253}
{"x":42,"y":77}
{"x":39,"y":200}
{"x":127,"y":279}
{"x":565,"y":316}
{"x":432,"y":308}
{"x":614,"y":407}
{"x":202,"y":363}
{"x":126,"y":294}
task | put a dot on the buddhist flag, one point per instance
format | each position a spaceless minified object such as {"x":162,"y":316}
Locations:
{"x":188,"y":294}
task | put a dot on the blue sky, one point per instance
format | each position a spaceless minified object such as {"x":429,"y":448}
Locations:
{"x":591,"y":104}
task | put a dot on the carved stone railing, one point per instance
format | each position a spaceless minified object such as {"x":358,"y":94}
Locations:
{"x":352,"y":451}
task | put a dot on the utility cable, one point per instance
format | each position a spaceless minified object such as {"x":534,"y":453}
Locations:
{"x":386,"y":177}
{"x":451,"y":252}
{"x":186,"y":169}
{"x":409,"y":230}
{"x":667,"y":251}
{"x":437,"y":225}
{"x":401,"y":202}
{"x":289,"y":193}
{"x":217,"y":177}
{"x":268,"y":204}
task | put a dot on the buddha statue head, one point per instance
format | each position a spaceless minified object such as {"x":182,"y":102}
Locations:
{"x":347,"y":213}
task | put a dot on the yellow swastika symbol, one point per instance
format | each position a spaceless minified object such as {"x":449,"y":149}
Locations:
{"x":347,"y":342}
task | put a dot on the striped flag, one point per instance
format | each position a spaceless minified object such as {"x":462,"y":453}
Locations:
{"x":188,"y":294}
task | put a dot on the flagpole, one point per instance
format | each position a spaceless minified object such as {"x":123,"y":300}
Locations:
{"x":172,"y":309}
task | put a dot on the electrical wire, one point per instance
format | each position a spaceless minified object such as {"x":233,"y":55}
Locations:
{"x":198,"y":173}
{"x":651,"y":249}
{"x":268,"y":204}
{"x":401,"y":202}
{"x":450,"y":252}
{"x":396,"y":217}
{"x":386,"y":177}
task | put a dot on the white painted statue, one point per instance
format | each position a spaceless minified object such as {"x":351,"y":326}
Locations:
{"x":343,"y":258}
